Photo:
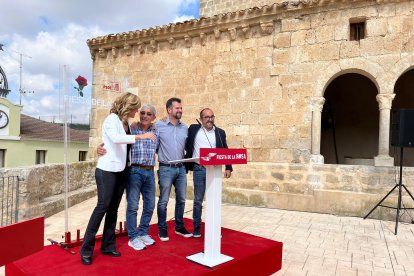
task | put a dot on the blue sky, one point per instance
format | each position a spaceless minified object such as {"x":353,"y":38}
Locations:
{"x":48,"y":34}
{"x":191,"y":9}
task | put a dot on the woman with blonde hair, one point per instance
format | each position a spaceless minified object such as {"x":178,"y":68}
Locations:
{"x":110,"y":176}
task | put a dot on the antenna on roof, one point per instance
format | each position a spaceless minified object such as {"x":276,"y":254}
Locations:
{"x":21,"y":91}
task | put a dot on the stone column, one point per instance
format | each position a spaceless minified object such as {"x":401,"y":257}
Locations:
{"x":383,"y":158}
{"x":317,"y":106}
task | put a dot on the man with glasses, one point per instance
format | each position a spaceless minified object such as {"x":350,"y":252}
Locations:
{"x":141,"y":179}
{"x":204,"y":135}
{"x":173,"y":134}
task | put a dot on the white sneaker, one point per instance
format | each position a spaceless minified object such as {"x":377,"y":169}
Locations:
{"x":147,"y":240}
{"x":137,"y":244}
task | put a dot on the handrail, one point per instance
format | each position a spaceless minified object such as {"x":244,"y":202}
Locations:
{"x":9,"y":197}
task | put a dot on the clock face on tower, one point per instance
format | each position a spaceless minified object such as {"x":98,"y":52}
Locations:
{"x":4,"y":119}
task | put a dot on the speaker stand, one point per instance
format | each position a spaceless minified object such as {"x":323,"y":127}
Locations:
{"x":400,"y":185}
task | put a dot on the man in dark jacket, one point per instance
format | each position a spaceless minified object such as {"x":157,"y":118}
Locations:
{"x":203,"y":135}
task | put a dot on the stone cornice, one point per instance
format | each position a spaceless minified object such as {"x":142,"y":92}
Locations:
{"x":242,"y":21}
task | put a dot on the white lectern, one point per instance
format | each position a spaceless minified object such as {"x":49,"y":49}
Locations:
{"x":213,"y":159}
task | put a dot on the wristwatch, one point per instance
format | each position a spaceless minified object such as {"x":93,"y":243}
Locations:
{"x":4,"y":119}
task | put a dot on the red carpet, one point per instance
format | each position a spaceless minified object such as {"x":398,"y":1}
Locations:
{"x":252,"y":256}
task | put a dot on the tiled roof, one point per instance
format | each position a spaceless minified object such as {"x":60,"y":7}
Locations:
{"x":32,"y":128}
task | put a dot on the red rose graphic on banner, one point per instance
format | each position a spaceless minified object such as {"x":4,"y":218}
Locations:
{"x":82,"y":82}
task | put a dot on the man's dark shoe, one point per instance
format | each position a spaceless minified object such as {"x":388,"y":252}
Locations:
{"x":197,"y":233}
{"x":183,"y":232}
{"x":86,"y":260}
{"x":112,"y":253}
{"x":163,"y":234}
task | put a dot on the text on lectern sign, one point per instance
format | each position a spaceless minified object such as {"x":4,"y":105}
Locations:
{"x":222,"y":156}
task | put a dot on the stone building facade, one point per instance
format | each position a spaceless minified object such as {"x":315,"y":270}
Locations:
{"x":307,"y":86}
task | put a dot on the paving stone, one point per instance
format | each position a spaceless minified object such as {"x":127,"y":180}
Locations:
{"x":314,"y":244}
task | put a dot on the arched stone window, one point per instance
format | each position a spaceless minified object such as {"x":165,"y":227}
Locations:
{"x":404,"y":98}
{"x":349,"y":120}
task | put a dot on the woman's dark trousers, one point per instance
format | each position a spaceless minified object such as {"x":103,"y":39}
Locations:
{"x":110,"y":186}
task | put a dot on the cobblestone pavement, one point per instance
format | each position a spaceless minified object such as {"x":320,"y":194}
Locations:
{"x":313,"y":244}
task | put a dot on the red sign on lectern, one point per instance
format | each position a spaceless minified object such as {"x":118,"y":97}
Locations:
{"x":222,"y":156}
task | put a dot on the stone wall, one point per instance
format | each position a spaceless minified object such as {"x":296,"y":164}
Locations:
{"x":334,"y":189}
{"x":340,"y":190}
{"x":264,"y":72}
{"x":41,"y":191}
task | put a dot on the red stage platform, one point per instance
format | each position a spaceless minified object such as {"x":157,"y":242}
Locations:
{"x":252,"y":256}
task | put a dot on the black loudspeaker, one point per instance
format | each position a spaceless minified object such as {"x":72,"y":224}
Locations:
{"x":402,"y":128}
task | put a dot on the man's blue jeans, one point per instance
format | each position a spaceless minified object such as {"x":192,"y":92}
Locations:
{"x":168,"y":176}
{"x":140,"y":181}
{"x":199,"y":178}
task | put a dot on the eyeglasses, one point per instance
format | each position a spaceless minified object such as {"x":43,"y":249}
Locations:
{"x":147,"y":113}
{"x":209,"y":117}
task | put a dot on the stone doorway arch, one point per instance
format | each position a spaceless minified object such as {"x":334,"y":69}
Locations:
{"x":404,"y":98}
{"x":349,"y":120}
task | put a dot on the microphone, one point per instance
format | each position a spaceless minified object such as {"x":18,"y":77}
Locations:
{"x":221,"y":141}
{"x":208,"y":140}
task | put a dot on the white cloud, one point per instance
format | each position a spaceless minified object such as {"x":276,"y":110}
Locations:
{"x":41,"y":83}
{"x":48,"y":34}
{"x":47,"y":102}
{"x":113,"y":17}
{"x":183,"y":18}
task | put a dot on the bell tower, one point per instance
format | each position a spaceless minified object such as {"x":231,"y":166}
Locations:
{"x":4,"y":88}
{"x":9,"y":113}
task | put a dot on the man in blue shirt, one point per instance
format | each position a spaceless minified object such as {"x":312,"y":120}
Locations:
{"x":173,"y":134}
{"x":141,"y":179}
